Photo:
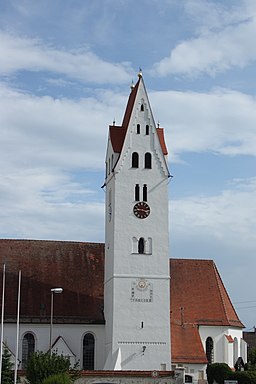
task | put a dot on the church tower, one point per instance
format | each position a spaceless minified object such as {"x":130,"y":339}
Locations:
{"x":137,"y":286}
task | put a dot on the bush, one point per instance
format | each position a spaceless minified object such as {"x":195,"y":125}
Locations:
{"x":217,"y":372}
{"x":60,"y":378}
{"x":42,"y":365}
{"x":220,"y":372}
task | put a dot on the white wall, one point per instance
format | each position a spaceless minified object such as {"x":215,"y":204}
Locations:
{"x":223,"y":349}
{"x":72,"y":334}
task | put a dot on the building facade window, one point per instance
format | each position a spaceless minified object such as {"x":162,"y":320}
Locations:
{"x":88,"y":352}
{"x":137,"y":192}
{"x":142,"y":107}
{"x":135,"y":160}
{"x":145,"y":192}
{"x":141,"y":246}
{"x":148,"y":161}
{"x":138,"y":128}
{"x":28,"y":347}
{"x":147,"y":129}
{"x":209,"y":350}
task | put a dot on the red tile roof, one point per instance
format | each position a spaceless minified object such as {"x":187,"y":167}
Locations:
{"x":198,"y":297}
{"x":76,"y":267}
{"x":117,"y":133}
{"x":186,"y":344}
{"x":195,"y":282}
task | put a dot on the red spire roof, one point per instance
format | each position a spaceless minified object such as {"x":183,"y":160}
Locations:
{"x":117,"y":133}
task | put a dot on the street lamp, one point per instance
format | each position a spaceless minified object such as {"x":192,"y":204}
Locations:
{"x":53,"y":291}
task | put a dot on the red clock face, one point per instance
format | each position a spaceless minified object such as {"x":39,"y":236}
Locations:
{"x":141,"y":210}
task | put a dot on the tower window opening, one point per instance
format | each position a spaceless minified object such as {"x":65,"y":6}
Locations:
{"x":145,"y":192}
{"x":137,"y":192}
{"x":141,"y":324}
{"x":138,"y":128}
{"x":141,"y":246}
{"x":135,"y":160}
{"x":142,"y":107}
{"x":148,"y":161}
{"x":147,"y":129}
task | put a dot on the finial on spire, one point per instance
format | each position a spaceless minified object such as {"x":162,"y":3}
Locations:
{"x":158,"y":124}
{"x":114,"y":122}
{"x":140,"y":72}
{"x":132,"y":85}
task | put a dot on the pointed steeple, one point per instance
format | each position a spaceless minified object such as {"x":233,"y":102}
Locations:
{"x":117,"y":133}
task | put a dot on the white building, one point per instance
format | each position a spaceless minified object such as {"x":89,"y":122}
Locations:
{"x":117,"y":314}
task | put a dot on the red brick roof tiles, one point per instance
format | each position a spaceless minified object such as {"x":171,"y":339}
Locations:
{"x":197,"y":287}
{"x":76,"y":267}
{"x":198,"y":297}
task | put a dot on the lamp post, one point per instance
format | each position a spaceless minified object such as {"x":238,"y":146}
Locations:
{"x":53,"y":291}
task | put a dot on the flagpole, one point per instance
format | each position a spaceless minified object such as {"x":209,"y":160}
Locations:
{"x":2,"y":324}
{"x":17,"y":331}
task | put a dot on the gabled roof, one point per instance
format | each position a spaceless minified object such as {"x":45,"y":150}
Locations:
{"x":117,"y":133}
{"x":196,"y":286}
{"x":198,"y":297}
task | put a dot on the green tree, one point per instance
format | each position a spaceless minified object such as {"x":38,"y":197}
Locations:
{"x":252,"y":359}
{"x":42,"y":365}
{"x":7,"y":367}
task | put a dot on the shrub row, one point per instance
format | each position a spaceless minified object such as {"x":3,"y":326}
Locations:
{"x":219,"y":372}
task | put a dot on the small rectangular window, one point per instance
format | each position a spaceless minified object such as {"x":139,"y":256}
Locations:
{"x":145,"y":192}
{"x":137,"y":192}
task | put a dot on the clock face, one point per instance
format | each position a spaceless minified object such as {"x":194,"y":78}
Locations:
{"x":141,"y":210}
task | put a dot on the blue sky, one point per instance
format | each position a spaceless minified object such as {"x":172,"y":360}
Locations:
{"x":65,"y":74}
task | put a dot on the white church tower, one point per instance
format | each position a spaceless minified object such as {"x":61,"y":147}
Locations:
{"x":137,"y":286}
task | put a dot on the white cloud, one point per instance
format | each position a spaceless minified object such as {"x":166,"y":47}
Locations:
{"x":19,"y":53}
{"x":43,"y":131}
{"x":219,"y":122}
{"x":228,"y":218}
{"x":226,"y":43}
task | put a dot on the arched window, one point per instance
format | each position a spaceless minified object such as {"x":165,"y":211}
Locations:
{"x":141,"y":245}
{"x":148,"y":164}
{"x":147,"y":129}
{"x":88,"y":352}
{"x":145,"y":192}
{"x":28,"y":347}
{"x":138,"y":128}
{"x":135,"y":160}
{"x":137,"y":192}
{"x":142,"y":107}
{"x":209,"y":349}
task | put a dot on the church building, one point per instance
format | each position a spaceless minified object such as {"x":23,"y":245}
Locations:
{"x":124,"y":305}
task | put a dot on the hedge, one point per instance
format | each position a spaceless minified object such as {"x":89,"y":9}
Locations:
{"x":219,"y":372}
